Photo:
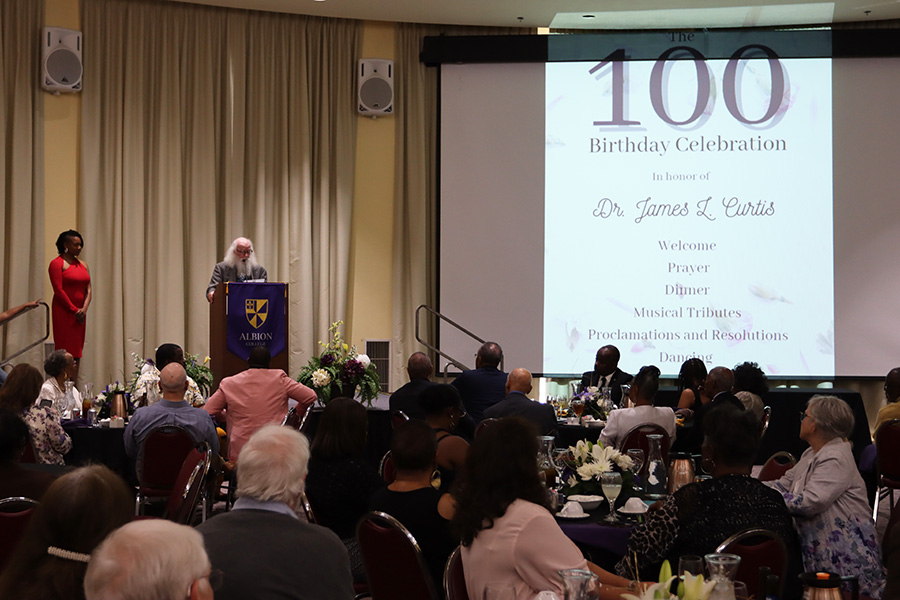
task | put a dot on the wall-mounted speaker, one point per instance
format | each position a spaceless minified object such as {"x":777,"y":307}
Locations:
{"x":61,"y":60}
{"x":375,"y":87}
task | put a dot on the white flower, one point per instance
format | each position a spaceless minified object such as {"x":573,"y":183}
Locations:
{"x":321,"y":378}
{"x":592,"y":470}
{"x":623,"y":461}
{"x":364,"y":360}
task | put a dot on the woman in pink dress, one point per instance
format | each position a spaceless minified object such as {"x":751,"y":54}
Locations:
{"x":71,"y":283}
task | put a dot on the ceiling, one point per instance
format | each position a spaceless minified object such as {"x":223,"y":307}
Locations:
{"x":586,"y":14}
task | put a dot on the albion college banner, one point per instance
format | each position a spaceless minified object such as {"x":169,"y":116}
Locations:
{"x":256,"y":317}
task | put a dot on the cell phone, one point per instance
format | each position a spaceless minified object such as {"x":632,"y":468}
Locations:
{"x":46,"y":403}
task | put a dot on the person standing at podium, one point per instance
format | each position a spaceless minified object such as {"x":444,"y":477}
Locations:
{"x":239,"y":264}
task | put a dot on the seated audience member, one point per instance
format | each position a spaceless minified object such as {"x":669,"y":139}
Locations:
{"x":485,"y":385}
{"x":153,"y":559}
{"x":413,"y":501}
{"x":264,"y":525}
{"x":408,"y":398}
{"x":607,"y":373}
{"x":76,"y":514}
{"x":15,"y":480}
{"x":255,"y":397}
{"x":716,"y":391}
{"x":700,"y":516}
{"x":891,"y":410}
{"x":643,"y":389}
{"x":47,"y":435}
{"x":60,"y":367}
{"x":340,"y":482}
{"x":443,"y":413}
{"x":691,"y":378}
{"x":503,"y":517}
{"x":827,"y":498}
{"x":171,"y":410}
{"x":750,"y":387}
{"x":146,"y":389}
{"x":518,"y":404}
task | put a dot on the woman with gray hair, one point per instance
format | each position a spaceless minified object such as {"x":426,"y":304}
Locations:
{"x":825,"y":494}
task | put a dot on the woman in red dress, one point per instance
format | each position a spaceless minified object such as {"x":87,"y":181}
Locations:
{"x":71,"y":283}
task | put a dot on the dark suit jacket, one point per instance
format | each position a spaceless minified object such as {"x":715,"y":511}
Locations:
{"x":480,"y":388}
{"x":614,"y":381}
{"x":407,"y":398}
{"x":264,"y":554}
{"x":517,"y":404}
{"x":223,"y":273}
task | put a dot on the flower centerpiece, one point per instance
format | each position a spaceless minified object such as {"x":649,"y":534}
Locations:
{"x":586,"y":462}
{"x":596,"y":404}
{"x":692,"y":587}
{"x":340,"y":371}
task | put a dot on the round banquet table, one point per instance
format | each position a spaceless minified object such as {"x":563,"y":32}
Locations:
{"x":602,"y":543}
{"x":98,"y":445}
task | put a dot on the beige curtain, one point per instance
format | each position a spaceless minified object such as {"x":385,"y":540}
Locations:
{"x":415,"y":187}
{"x":199,"y":125}
{"x":21,"y":175}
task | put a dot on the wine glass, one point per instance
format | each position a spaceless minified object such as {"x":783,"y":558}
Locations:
{"x":637,"y":461}
{"x":563,"y":406}
{"x":559,"y":462}
{"x":577,"y":405}
{"x":611,"y":484}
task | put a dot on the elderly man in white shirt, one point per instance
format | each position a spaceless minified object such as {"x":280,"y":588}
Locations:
{"x":621,"y":421}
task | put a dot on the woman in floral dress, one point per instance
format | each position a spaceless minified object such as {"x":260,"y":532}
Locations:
{"x":827,"y":498}
{"x":18,"y":394}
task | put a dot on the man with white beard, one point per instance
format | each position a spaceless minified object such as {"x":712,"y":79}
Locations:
{"x":239,"y":264}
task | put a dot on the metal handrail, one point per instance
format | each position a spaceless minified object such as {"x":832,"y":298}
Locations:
{"x":33,"y":344}
{"x":433,"y":348}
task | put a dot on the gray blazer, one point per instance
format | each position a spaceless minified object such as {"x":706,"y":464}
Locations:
{"x":223,"y":273}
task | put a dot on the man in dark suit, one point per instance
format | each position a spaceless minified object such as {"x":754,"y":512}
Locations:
{"x":419,"y":368}
{"x":485,"y":385}
{"x":607,"y":373}
{"x":518,"y":404}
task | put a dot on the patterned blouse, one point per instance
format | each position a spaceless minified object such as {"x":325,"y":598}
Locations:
{"x":825,"y":494}
{"x":699,"y":517}
{"x":47,"y":434}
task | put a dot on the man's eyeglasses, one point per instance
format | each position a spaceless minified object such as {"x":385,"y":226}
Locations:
{"x":803,"y":415}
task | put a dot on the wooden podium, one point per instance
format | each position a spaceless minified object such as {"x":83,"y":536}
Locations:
{"x":225,"y":363}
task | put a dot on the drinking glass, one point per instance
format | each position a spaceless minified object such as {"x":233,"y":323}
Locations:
{"x":637,"y":461}
{"x":559,"y":462}
{"x":690,"y":563}
{"x":563,"y":406}
{"x":87,"y":398}
{"x":611,"y":483}
{"x":740,"y":591}
{"x":577,"y":406}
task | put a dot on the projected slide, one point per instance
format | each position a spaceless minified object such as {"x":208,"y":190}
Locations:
{"x":688,"y":212}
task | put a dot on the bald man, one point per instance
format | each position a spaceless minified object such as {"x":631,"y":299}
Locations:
{"x":420,"y":369}
{"x":239,"y":264}
{"x":518,"y":404}
{"x":171,"y":410}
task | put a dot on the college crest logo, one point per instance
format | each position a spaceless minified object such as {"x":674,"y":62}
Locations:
{"x":256,"y":310}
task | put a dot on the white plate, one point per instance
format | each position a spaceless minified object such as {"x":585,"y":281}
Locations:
{"x":562,"y":516}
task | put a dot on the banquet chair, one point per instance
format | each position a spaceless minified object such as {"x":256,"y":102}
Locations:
{"x":454,"y":578}
{"x":189,"y":485}
{"x":484,"y":423}
{"x":29,"y":456}
{"x":296,"y":417}
{"x":887,"y":461}
{"x":777,"y":465}
{"x":398,"y":417}
{"x":15,"y":513}
{"x":308,"y":509}
{"x":757,"y":548}
{"x":393,"y":560}
{"x":386,"y":468}
{"x":161,"y":455}
{"x":637,"y":438}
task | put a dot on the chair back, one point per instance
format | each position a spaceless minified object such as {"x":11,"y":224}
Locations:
{"x":485,"y":423}
{"x":776,"y":466}
{"x":15,"y":513}
{"x":189,"y":484}
{"x":308,"y":509}
{"x":387,"y":469}
{"x":637,"y":438}
{"x":757,"y":548}
{"x":393,"y":560}
{"x":161,"y":456}
{"x":455,"y":579}
{"x":398,"y":417}
{"x":296,"y":417}
{"x":887,"y":446}
{"x":29,"y":456}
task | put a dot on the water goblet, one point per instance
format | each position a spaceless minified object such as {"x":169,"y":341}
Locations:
{"x":611,"y":484}
{"x":637,"y":461}
{"x":559,"y":462}
{"x":577,"y":405}
{"x":690,"y":563}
